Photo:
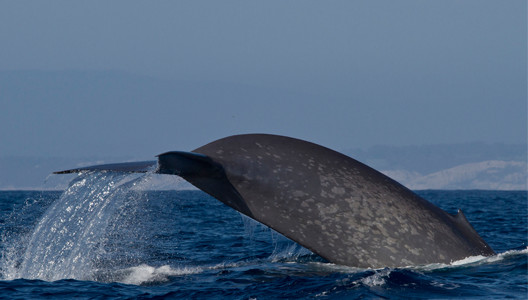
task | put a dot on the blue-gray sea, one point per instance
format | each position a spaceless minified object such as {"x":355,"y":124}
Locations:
{"x":107,"y":236}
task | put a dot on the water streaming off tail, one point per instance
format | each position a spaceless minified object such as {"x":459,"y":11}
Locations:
{"x":105,"y":228}
{"x":70,"y":236}
{"x":283,"y":248}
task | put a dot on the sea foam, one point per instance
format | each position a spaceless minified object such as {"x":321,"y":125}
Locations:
{"x":143,"y":274}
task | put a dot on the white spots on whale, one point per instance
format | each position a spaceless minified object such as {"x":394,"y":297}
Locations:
{"x":414,"y":231}
{"x":307,"y":203}
{"x":338,"y":190}
{"x":284,"y":184}
{"x":326,"y":211}
{"x":414,"y":251}
{"x":392,"y":250}
{"x":299,"y":194}
{"x":381,"y":229}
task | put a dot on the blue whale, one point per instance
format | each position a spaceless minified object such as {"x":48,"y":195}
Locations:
{"x":335,"y":206}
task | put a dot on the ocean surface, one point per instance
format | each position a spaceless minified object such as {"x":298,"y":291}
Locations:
{"x":109,"y":237}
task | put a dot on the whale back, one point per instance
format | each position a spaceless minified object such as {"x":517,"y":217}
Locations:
{"x":335,"y":206}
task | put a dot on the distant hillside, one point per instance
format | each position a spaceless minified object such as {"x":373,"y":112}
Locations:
{"x":464,"y":166}
{"x":456,"y":166}
{"x":432,"y":158}
{"x":487,"y":175}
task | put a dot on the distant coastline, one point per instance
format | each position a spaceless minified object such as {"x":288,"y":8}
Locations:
{"x":471,"y":166}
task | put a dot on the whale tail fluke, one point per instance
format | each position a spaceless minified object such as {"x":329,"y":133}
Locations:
{"x":179,"y":163}
{"x":128,"y":167}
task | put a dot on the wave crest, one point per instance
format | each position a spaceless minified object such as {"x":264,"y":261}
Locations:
{"x":144,"y":273}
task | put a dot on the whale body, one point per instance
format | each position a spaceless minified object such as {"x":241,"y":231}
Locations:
{"x":333,"y":205}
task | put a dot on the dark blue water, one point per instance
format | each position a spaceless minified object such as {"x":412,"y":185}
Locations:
{"x":107,"y":236}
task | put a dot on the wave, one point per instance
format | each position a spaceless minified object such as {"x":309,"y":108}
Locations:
{"x":375,"y":278}
{"x":144,"y":274}
{"x":472,"y":260}
{"x":422,"y":278}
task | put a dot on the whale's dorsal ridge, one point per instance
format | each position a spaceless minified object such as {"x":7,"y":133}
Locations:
{"x":338,"y":207}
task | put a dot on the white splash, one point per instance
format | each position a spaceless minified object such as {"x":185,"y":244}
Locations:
{"x":65,"y":241}
{"x":472,"y":260}
{"x":146,"y":274}
{"x":377,"y":279}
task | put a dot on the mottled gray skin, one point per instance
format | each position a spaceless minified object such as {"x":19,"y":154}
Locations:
{"x":339,"y":208}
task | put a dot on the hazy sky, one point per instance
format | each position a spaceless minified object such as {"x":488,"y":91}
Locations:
{"x":345,"y":74}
